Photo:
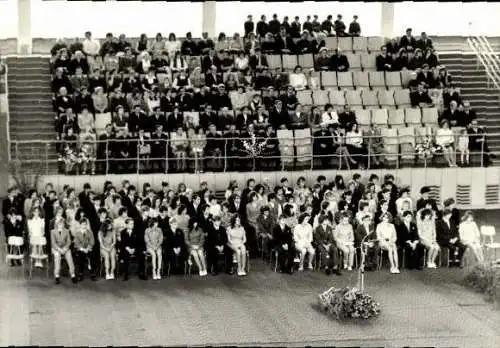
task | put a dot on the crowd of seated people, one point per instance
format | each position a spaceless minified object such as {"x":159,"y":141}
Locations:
{"x":322,"y":225}
{"x":182,"y":100}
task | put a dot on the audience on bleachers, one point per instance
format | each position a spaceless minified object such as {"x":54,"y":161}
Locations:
{"x":322,"y":226}
{"x":148,"y":91}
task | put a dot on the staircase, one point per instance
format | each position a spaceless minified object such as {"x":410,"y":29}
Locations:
{"x":30,"y":108}
{"x":473,"y":82}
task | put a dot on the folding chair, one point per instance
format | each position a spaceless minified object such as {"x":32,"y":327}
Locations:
{"x":488,"y":234}
{"x":305,"y":97}
{"x":386,"y":99}
{"x":344,"y":80}
{"x":393,"y":79}
{"x":289,"y":62}
{"x":391,"y":144}
{"x":286,"y":145}
{"x":13,"y":250}
{"x":274,"y":61}
{"x":337,"y":98}
{"x":369,"y":99}
{"x":413,"y":117}
{"x":360,"y":79}
{"x":354,"y":61}
{"x":369,"y":61}
{"x":331,"y":43}
{"x":364,"y":118}
{"x":344,"y":43}
{"x":430,"y":117}
{"x":375,"y":42}
{"x":320,"y":97}
{"x":407,"y":144}
{"x":402,"y":98}
{"x":38,"y":253}
{"x":353,"y":98}
{"x":396,"y":118}
{"x":377,"y":79}
{"x":306,"y":61}
{"x":380,"y":117}
{"x":329,"y":79}
{"x":360,"y":44}
{"x":303,"y":145}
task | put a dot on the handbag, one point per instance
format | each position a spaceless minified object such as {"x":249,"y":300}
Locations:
{"x":145,"y":149}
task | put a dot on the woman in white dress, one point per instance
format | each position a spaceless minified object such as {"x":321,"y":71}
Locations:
{"x":426,"y":226}
{"x":470,"y":235}
{"x":298,"y":79}
{"x":446,"y":140}
{"x":344,"y":237}
{"x":236,"y":239}
{"x":386,"y":236}
{"x":36,"y":229}
{"x":303,"y":238}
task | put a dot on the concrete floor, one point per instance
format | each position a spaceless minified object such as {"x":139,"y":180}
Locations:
{"x":428,"y":308}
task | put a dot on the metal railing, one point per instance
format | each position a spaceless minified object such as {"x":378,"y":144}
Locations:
{"x":487,"y":58}
{"x":230,"y":154}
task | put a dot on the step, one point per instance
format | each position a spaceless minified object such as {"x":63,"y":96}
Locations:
{"x":31,"y":108}
{"x":21,"y":115}
{"x":17,"y":128}
{"x":29,"y":71}
{"x":30,"y":98}
{"x":45,"y":78}
{"x":29,"y":87}
{"x":41,"y":135}
{"x":35,"y":94}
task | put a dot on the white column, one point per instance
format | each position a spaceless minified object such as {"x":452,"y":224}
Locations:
{"x":24,"y":39}
{"x":387,"y":19}
{"x":209,"y":11}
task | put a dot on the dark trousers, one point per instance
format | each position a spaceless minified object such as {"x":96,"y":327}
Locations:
{"x":176,"y":262}
{"x":414,"y":256}
{"x":85,"y":259}
{"x":372,"y":255}
{"x":215,"y":259}
{"x":285,"y":258}
{"x":329,"y":257}
{"x":125,"y":259}
{"x":252,"y":240}
{"x":457,"y":251}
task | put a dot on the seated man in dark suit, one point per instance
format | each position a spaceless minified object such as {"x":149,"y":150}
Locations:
{"x":175,"y":247}
{"x":131,"y":245}
{"x":323,"y":145}
{"x":365,"y":233}
{"x":326,"y":246}
{"x":283,"y":239}
{"x":216,"y":246}
{"x":409,"y":239}
{"x":447,"y":237}
{"x":339,"y":62}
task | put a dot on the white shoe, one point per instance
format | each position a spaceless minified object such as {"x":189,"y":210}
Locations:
{"x":431,"y":265}
{"x":393,"y":271}
{"x":38,"y":265}
{"x":112,"y":276}
{"x":345,"y":266}
{"x":349,"y":268}
{"x":310,"y":267}
{"x":301,"y":268}
{"x":158,"y":276}
{"x":240,"y":273}
{"x":243,"y":273}
{"x":396,"y":270}
{"x":108,"y":277}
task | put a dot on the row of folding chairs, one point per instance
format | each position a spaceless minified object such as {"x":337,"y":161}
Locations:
{"x":368,"y":98}
{"x":357,"y":44}
{"x":365,"y":79}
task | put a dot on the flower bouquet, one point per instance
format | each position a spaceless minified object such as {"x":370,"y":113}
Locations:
{"x":427,"y":149}
{"x":254,"y":147}
{"x":348,"y":303}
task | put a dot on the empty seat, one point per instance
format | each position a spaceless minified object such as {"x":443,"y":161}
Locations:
{"x":369,"y":99}
{"x":328,"y":79}
{"x":380,"y":117}
{"x":303,"y":145}
{"x":353,"y":97}
{"x":386,"y":98}
{"x":304,"y":97}
{"x":376,"y":79}
{"x":344,"y":43}
{"x":402,"y":98}
{"x":393,"y":79}
{"x":360,"y":79}
{"x":287,"y":150}
{"x":430,"y":116}
{"x":289,"y":61}
{"x":364,"y":117}
{"x":337,"y":98}
{"x":407,"y":143}
{"x":413,"y":117}
{"x":421,"y":133}
{"x":360,"y":44}
{"x":331,"y":43}
{"x":405,"y":77}
{"x":369,"y":61}
{"x":274,"y":61}
{"x":396,"y":118}
{"x":391,"y":144}
{"x":344,"y":79}
{"x":306,"y":61}
{"x":320,"y":97}
{"x":354,"y":61}
{"x":375,"y":42}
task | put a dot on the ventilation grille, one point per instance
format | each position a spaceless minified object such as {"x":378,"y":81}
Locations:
{"x":491,"y":194}
{"x":435,"y":193}
{"x":463,"y":195}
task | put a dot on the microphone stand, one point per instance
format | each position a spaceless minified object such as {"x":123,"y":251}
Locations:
{"x":361,"y":270}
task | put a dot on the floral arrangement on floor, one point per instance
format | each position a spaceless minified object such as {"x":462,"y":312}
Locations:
{"x":254,"y":147}
{"x":427,"y":149}
{"x":348,"y":303}
{"x":485,"y":279}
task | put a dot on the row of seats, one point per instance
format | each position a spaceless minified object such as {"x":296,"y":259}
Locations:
{"x":391,"y":98}
{"x":357,"y":61}
{"x":357,"y":44}
{"x":398,"y":118}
